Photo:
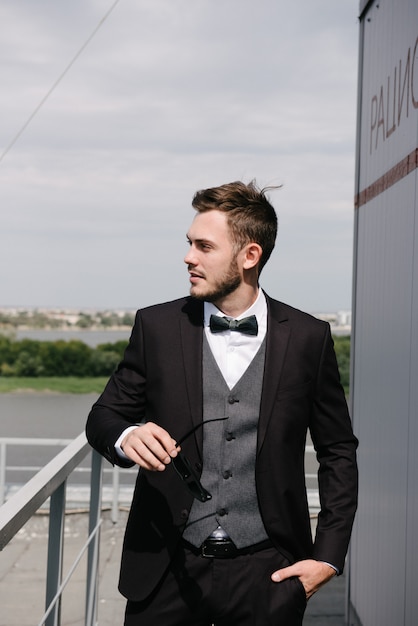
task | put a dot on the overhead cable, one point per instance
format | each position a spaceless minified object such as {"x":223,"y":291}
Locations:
{"x":59,"y":79}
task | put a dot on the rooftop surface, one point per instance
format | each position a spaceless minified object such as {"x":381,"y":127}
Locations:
{"x":23,"y":566}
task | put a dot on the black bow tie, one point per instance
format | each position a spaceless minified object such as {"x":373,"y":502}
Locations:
{"x":248,"y":325}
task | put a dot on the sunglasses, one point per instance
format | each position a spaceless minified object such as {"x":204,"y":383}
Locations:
{"x":186,"y":472}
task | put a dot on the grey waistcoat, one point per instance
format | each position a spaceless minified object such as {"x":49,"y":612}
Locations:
{"x":229,"y":450}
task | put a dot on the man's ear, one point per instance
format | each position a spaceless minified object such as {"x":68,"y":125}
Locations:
{"x":253,"y":252}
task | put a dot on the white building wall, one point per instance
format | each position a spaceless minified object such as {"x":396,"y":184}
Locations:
{"x":384,"y":548}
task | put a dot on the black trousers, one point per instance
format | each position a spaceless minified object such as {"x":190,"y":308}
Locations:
{"x":198,"y":591}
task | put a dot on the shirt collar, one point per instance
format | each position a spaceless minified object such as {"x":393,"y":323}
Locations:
{"x":258,"y":308}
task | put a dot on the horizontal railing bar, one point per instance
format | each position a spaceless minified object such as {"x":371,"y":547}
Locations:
{"x":79,"y":470}
{"x":16,"y":511}
{"x":28,"y":468}
{"x":34,"y":441}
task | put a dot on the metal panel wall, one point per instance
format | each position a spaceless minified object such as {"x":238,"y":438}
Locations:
{"x":384,"y":548}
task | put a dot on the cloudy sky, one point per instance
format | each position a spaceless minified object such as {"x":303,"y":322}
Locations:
{"x":167,"y":97}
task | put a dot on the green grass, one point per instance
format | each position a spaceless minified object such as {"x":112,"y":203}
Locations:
{"x":67,"y":384}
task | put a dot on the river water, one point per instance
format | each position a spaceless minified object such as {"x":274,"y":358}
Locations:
{"x":44,"y":414}
{"x":40,"y":415}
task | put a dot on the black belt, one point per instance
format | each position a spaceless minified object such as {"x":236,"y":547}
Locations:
{"x":225,"y":548}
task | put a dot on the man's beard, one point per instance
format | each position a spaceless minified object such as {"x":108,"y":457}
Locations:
{"x":227,"y":285}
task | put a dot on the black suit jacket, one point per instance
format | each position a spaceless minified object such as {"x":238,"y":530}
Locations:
{"x":160,"y":379}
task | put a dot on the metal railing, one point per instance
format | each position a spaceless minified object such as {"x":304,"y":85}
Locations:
{"x":6,"y":442}
{"x":50,"y":482}
{"x":113,"y":491}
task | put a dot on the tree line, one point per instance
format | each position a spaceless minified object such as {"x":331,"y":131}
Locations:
{"x":29,"y":357}
{"x":342,"y":350}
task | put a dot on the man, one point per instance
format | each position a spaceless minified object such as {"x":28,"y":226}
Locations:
{"x":219,"y":530}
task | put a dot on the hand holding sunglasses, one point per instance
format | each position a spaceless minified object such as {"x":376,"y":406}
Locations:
{"x":184,"y":469}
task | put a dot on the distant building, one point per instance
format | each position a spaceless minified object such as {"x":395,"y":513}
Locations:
{"x":340,"y":321}
{"x":67,"y":319}
{"x":344,"y":318}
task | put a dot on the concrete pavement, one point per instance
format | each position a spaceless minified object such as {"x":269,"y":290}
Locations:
{"x":23,"y":566}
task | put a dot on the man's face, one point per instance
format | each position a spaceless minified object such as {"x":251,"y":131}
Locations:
{"x":211,"y":260}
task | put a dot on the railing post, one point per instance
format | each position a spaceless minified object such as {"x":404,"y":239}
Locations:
{"x":93,"y":549}
{"x":55,"y":554}
{"x":2,"y":472}
{"x":115,"y":494}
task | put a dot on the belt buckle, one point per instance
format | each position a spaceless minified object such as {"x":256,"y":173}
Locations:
{"x":217,"y":549}
{"x":203,"y":548}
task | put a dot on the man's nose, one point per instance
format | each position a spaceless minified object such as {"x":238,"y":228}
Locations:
{"x":189,"y":258}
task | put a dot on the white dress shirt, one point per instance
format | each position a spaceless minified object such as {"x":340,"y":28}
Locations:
{"x":234,"y":351}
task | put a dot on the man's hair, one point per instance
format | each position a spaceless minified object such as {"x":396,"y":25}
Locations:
{"x":250,"y":216}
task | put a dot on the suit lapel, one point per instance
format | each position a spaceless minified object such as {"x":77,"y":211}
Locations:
{"x":191,"y":331}
{"x":278,"y":333}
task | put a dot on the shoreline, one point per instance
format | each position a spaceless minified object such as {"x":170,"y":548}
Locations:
{"x":76,"y":329}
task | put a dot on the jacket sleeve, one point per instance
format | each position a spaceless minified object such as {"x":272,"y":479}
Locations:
{"x":122,"y":402}
{"x":335,"y":446}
